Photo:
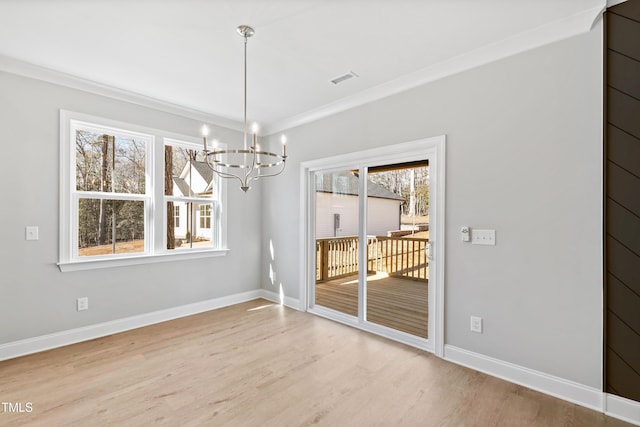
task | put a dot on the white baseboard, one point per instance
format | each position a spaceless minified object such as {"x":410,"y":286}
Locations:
{"x":293,"y":303}
{"x":623,"y":409}
{"x":545,"y":383}
{"x":72,"y":336}
{"x":613,"y":406}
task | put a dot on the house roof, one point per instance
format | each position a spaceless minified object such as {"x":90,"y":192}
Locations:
{"x":182,"y":185}
{"x":348,"y":182}
{"x":203,"y":170}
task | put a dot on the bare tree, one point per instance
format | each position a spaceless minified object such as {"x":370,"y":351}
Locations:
{"x":168,"y":191}
{"x":104,"y":187}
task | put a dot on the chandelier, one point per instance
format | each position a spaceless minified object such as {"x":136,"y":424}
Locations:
{"x":249,"y":163}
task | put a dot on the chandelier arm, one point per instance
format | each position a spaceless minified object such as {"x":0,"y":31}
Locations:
{"x":225,"y":174}
{"x":222,"y":174}
{"x":230,"y":176}
{"x":269,"y":175}
{"x":252,"y":167}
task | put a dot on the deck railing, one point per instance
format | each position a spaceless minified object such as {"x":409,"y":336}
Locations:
{"x":397,"y":256}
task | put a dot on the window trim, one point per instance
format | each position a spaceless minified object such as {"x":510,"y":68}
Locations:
{"x":156,"y":246}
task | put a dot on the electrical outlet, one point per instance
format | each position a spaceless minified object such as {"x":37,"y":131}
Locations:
{"x":82,"y":303}
{"x":476,"y":324}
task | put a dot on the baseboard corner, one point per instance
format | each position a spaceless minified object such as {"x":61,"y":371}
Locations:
{"x":545,"y":383}
{"x":622,"y":408}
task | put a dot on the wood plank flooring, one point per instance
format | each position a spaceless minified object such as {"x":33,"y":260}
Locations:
{"x":394,"y":302}
{"x":260,"y":364}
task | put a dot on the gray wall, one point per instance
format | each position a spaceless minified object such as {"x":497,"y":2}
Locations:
{"x":35,"y":297}
{"x":523,"y":157}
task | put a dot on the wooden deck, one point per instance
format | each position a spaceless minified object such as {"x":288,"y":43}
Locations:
{"x":394,"y":302}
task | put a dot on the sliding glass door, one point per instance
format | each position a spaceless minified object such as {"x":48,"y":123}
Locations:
{"x":372,"y":228}
{"x":397,"y":245}
{"x":337,"y":226}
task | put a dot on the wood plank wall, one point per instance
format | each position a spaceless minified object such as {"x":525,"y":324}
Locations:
{"x":622,"y":200}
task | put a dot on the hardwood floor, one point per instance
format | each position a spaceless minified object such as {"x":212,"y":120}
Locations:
{"x":260,"y":364}
{"x":394,"y":302}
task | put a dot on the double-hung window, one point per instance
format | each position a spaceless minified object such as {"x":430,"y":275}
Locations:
{"x":194,"y":191}
{"x":134,"y":195}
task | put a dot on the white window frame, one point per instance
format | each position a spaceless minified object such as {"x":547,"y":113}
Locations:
{"x":155,"y":211}
{"x":215,"y":202}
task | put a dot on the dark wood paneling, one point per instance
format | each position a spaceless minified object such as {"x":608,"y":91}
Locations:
{"x":622,"y":73}
{"x":623,"y":187}
{"x":621,"y":377}
{"x":622,"y":35}
{"x":623,"y":226}
{"x":623,"y":111}
{"x":622,"y":200}
{"x":624,"y":301}
{"x":623,"y":149}
{"x":623,"y":264}
{"x":629,"y":9}
{"x":624,"y":341}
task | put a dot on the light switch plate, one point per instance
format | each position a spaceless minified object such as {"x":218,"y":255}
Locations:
{"x":31,"y":232}
{"x":483,"y":237}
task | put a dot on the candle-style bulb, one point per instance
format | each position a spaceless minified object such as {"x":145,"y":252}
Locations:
{"x":205,"y":133}
{"x":283,"y":138}
{"x":255,"y":128}
{"x":215,"y":143}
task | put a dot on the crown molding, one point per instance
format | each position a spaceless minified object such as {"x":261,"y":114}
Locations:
{"x":573,"y":25}
{"x":576,"y":24}
{"x":26,"y":69}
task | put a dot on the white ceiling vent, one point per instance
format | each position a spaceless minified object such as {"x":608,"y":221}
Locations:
{"x":343,"y":77}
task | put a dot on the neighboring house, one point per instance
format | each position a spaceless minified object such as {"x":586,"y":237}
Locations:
{"x":337,"y":206}
{"x":195,"y":180}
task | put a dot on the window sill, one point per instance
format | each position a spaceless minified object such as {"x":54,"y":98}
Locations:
{"x":93,"y":264}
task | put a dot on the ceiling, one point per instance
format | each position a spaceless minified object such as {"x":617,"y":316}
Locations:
{"x":187,"y":52}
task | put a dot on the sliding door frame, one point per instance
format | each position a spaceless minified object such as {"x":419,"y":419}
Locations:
{"x":432,"y":149}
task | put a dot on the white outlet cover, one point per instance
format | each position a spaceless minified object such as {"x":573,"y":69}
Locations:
{"x":82,"y":303}
{"x":476,"y":324}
